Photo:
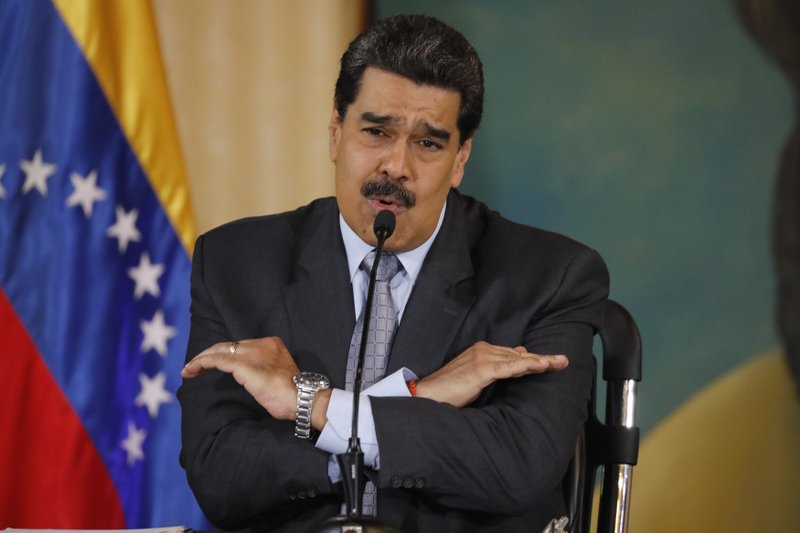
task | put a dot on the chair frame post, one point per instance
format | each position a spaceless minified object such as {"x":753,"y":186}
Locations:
{"x":614,"y":443}
{"x":618,"y":477}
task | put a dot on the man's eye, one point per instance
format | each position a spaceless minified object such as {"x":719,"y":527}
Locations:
{"x":430,"y":145}
{"x":376,"y":132}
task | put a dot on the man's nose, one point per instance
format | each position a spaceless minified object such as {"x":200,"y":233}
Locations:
{"x":396,"y":161}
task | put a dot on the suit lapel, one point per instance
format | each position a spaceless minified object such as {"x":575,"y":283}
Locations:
{"x":440,"y":300}
{"x":320,"y":301}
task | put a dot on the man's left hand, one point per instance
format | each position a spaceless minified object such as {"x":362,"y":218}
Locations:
{"x":462,"y":379}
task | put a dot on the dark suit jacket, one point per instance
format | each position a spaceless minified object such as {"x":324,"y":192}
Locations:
{"x":496,"y":465}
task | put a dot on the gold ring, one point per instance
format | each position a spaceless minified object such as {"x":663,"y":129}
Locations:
{"x":232,"y":347}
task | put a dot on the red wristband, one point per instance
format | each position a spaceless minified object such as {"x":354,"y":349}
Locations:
{"x":412,"y":387}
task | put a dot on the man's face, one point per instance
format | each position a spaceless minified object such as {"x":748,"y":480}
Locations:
{"x":398,"y":149}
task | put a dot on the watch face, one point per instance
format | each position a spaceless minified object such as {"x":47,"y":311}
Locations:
{"x":312,"y":380}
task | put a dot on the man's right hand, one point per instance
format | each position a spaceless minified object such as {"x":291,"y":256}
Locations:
{"x":264,"y":367}
{"x":461,"y":380}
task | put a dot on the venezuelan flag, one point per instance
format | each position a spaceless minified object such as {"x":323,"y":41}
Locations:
{"x":95,"y":232}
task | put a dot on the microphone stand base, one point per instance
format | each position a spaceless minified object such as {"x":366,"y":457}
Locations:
{"x":353,"y":524}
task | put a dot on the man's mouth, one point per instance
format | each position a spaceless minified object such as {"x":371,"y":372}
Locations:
{"x":381,"y":203}
{"x":387,"y":194}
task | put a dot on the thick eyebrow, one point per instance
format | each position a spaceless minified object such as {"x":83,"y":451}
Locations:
{"x":382,"y":120}
{"x":436,"y":133}
{"x":369,"y":116}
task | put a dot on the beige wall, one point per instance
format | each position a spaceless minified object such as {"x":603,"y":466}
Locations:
{"x":252,"y":83}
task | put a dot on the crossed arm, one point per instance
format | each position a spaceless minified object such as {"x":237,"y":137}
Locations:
{"x":264,"y":367}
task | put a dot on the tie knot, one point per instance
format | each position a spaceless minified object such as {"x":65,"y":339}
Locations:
{"x":387,"y":268}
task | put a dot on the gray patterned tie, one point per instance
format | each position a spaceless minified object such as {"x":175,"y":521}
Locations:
{"x":379,"y":342}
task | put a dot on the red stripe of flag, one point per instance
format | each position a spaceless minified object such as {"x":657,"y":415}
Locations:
{"x":51,"y":475}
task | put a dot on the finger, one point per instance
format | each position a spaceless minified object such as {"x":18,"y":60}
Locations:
{"x":232,"y":347}
{"x":527,"y":363}
{"x":539,"y":364}
{"x":192,"y":369}
{"x":488,"y":348}
{"x":201,"y":363}
{"x":219,"y":356}
{"x":550,"y":358}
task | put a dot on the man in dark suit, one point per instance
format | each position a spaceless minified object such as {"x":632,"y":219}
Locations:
{"x":488,"y":377}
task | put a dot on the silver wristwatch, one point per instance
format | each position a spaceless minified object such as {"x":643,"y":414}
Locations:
{"x":308,"y":385}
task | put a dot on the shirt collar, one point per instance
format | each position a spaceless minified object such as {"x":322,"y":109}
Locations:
{"x":411,"y":260}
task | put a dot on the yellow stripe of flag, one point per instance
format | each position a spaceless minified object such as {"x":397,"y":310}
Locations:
{"x":119,"y":40}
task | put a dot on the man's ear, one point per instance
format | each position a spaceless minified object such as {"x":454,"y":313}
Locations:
{"x":460,"y":162}
{"x":334,"y":134}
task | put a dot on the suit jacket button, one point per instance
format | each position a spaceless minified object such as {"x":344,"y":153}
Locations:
{"x":301,"y":494}
{"x":312,"y":492}
{"x":419,"y":482}
{"x":293,"y":496}
{"x":397,"y":482}
{"x":408,"y":483}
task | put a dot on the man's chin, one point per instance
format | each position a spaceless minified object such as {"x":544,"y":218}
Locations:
{"x":393,"y":245}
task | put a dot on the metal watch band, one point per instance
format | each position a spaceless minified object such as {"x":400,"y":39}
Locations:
{"x":305,"y":399}
{"x":308,"y":384}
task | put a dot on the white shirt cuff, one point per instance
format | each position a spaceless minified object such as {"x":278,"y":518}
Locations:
{"x":335,"y":435}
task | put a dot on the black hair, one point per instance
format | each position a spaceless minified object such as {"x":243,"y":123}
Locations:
{"x":422,"y":49}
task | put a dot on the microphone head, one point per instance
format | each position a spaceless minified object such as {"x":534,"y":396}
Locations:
{"x":384,"y":224}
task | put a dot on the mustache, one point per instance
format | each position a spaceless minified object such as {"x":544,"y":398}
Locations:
{"x":389,"y":188}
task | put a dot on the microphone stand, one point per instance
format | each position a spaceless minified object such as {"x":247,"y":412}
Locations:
{"x":351,"y":463}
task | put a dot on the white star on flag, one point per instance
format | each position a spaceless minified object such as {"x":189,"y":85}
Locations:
{"x":86,"y":192}
{"x":156,"y":334}
{"x":2,"y":190}
{"x":146,"y":277}
{"x":153,"y":393}
{"x":36,"y":173}
{"x":124,"y":229}
{"x":133,"y":443}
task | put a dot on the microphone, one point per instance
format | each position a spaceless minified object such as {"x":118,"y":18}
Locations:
{"x":383,"y":227}
{"x":351,"y":463}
